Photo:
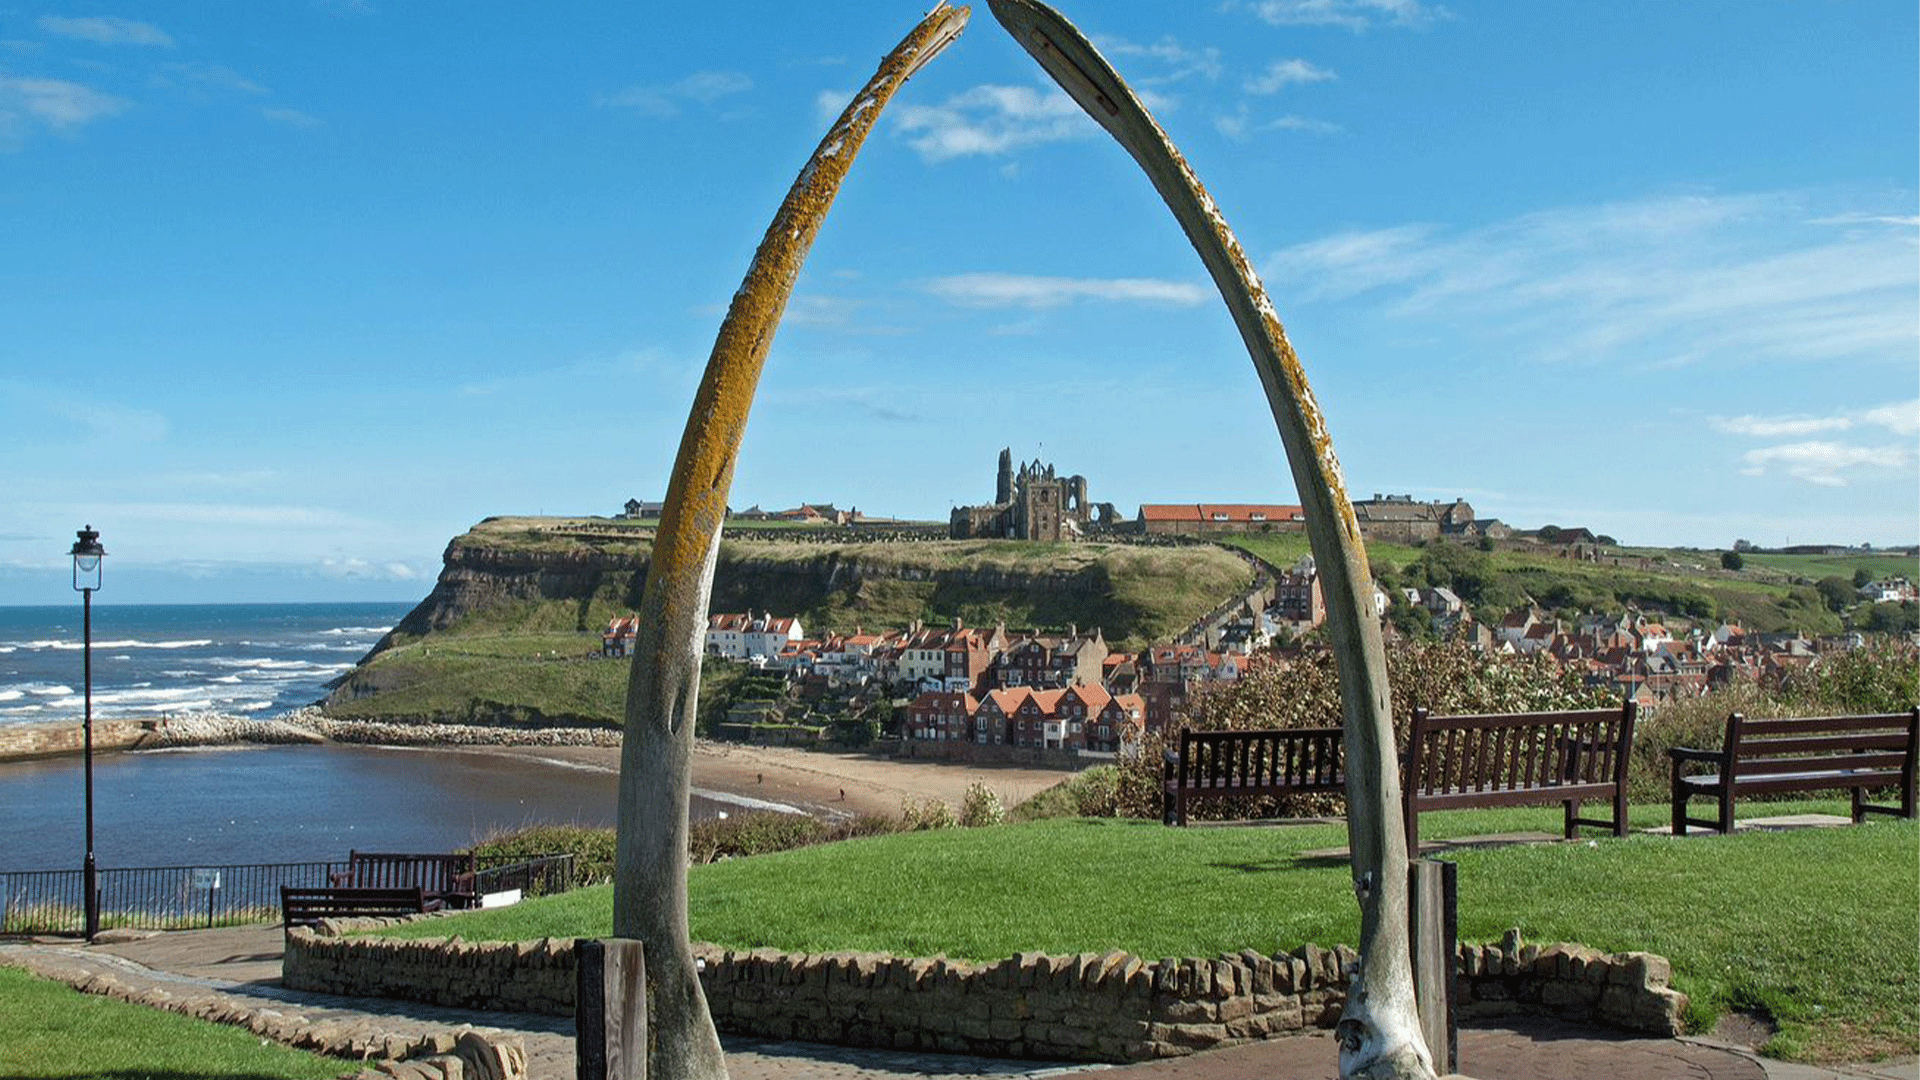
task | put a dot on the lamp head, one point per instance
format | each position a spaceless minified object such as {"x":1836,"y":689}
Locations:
{"x":87,"y":554}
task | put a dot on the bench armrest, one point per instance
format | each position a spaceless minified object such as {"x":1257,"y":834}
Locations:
{"x":1687,"y":753}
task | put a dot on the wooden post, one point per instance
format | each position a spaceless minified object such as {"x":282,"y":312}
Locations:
{"x":609,"y":1009}
{"x":1433,"y":926}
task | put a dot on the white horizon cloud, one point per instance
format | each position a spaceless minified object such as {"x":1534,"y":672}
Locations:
{"x":1659,"y":282}
{"x":1284,"y":73}
{"x":1353,"y":15}
{"x":107,"y":30}
{"x":1899,"y":417}
{"x":1822,"y":463}
{"x":1033,"y":291}
{"x":700,"y":88}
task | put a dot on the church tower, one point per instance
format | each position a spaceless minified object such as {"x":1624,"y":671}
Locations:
{"x":1003,"y":487}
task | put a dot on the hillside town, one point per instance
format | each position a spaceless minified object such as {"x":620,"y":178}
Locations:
{"x":1071,"y":691}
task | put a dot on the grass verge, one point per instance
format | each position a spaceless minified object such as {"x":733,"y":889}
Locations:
{"x":53,"y":1031}
{"x":1815,"y":926}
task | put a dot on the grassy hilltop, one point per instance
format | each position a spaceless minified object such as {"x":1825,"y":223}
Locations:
{"x":511,"y":632}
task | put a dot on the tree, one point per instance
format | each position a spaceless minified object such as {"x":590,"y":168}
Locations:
{"x":650,"y":875}
{"x":1732,"y":560}
{"x":1861,"y":577}
{"x":1836,"y":591}
{"x":1891,"y":617}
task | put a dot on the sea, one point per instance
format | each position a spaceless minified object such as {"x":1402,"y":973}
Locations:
{"x":250,"y":804}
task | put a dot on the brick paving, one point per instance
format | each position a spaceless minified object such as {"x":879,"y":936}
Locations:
{"x":241,"y":966}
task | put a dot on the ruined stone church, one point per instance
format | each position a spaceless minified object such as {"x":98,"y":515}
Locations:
{"x":1031,"y":504}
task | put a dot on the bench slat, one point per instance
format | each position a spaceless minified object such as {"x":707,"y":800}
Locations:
{"x":1816,"y":744}
{"x":1825,"y":723}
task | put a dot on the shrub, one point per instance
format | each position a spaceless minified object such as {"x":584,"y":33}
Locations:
{"x":925,"y":814}
{"x":591,"y":846}
{"x":753,"y":833}
{"x":1881,"y":676}
{"x":981,"y":806}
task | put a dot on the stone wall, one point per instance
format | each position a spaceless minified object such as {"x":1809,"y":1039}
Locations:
{"x":1111,"y":1007}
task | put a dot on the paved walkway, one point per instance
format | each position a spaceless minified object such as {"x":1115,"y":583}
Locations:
{"x":242,"y":966}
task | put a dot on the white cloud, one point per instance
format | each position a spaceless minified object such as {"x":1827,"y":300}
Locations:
{"x":1028,"y":291}
{"x":1241,"y":127}
{"x":290,"y":117}
{"x":1899,"y":417}
{"x":1657,"y":282}
{"x":1823,"y":463}
{"x":214,"y":76}
{"x":699,"y":88}
{"x":992,"y":119}
{"x":1284,"y":73}
{"x":1182,"y":61}
{"x":56,"y":103}
{"x":1773,"y":427}
{"x":362,"y":570}
{"x":107,"y":30}
{"x":1351,"y":14}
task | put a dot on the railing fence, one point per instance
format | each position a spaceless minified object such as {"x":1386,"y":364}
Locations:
{"x":191,"y":897}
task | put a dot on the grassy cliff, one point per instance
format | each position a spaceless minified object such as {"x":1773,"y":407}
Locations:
{"x":511,"y":632}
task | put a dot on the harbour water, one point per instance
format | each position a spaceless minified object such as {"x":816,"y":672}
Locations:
{"x":245,"y":804}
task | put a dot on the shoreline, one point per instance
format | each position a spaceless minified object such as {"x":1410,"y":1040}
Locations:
{"x":823,"y":783}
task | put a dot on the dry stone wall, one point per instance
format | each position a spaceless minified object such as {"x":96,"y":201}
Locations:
{"x":1111,"y":1007}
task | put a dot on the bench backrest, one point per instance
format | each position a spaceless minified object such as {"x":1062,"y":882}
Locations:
{"x":1306,"y":759}
{"x":1875,"y":743}
{"x":306,"y":907}
{"x":1517,"y":752}
{"x":436,"y":873}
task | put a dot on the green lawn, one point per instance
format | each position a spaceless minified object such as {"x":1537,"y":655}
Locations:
{"x":1815,"y":926}
{"x":58,"y":1033}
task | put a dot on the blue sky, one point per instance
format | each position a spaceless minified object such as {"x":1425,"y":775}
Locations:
{"x":291,"y":293}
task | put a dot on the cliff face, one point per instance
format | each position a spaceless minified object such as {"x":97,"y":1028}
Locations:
{"x":570,"y":577}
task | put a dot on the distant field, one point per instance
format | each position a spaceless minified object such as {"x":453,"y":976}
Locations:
{"x":1815,"y":567}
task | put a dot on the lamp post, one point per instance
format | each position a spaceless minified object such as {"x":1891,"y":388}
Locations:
{"x":87,"y":554}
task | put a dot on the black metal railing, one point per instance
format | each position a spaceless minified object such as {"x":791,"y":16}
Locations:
{"x":153,"y":897}
{"x":191,"y":897}
{"x":540,"y":876}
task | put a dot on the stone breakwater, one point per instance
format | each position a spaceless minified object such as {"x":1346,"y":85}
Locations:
{"x":304,"y":726}
{"x":1107,"y":1007}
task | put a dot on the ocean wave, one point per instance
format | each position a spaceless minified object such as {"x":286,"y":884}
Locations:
{"x":268,"y":664}
{"x":374,"y":630}
{"x":47,"y":689}
{"x":226,"y":679}
{"x":12,"y":695}
{"x":124,"y":643}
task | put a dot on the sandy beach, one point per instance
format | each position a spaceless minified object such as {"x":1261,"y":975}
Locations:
{"x":819,"y":782}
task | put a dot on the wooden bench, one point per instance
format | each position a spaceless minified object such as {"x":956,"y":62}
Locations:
{"x":1226,"y":764}
{"x":1859,"y":753}
{"x":306,"y":907}
{"x":448,"y":879}
{"x":1451,"y":762}
{"x":1520,"y":759}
